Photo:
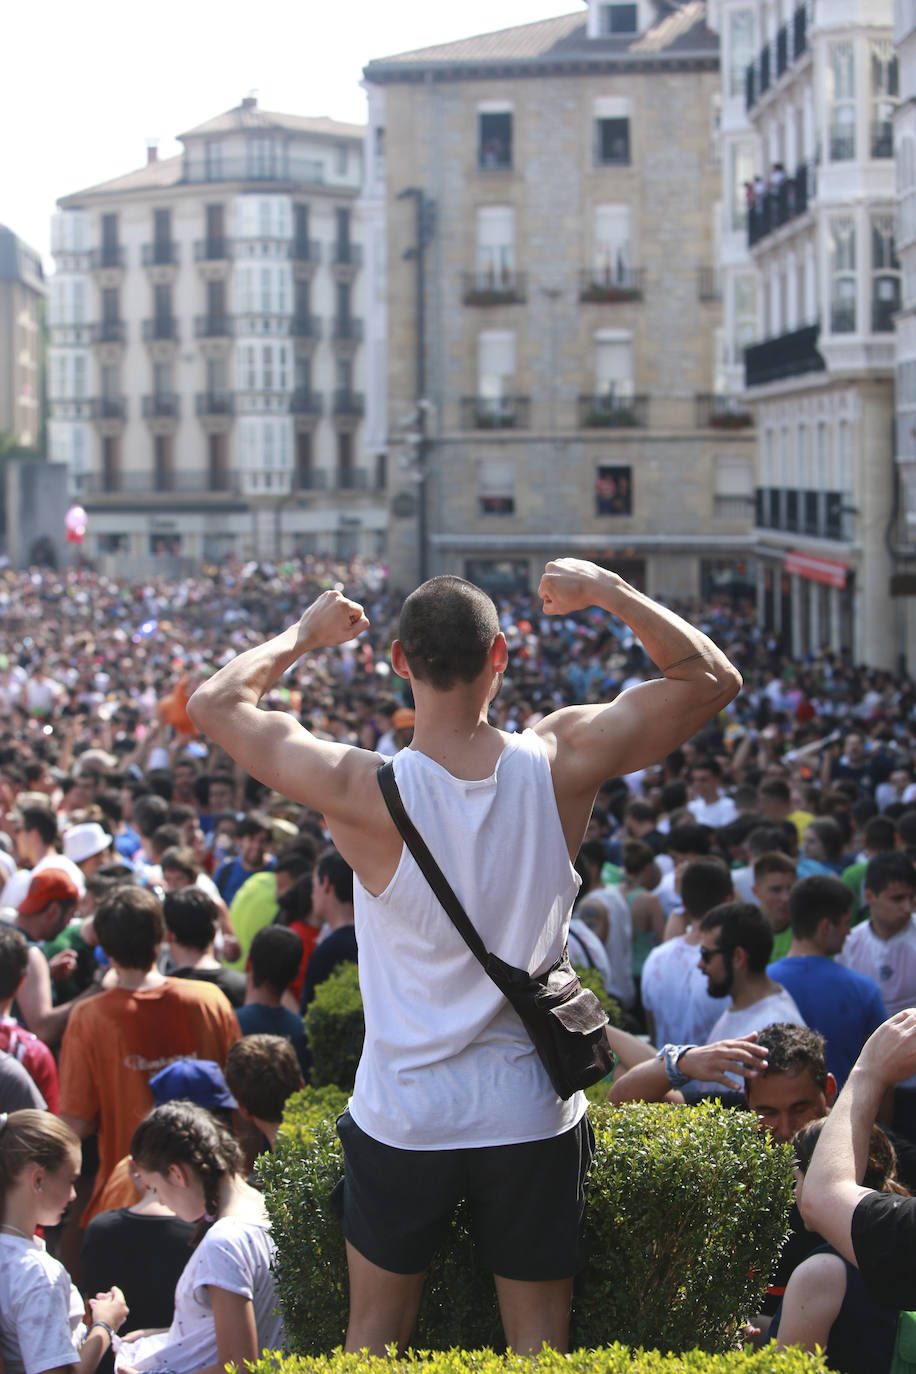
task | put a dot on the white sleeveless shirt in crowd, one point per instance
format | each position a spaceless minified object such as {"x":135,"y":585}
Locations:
{"x":447,"y":1063}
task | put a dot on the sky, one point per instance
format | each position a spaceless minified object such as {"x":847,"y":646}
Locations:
{"x":85,"y":87}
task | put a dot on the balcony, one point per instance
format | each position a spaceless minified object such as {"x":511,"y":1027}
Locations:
{"x":108,"y":332}
{"x":781,"y":203}
{"x":310,"y":479}
{"x":608,"y":411}
{"x":885,"y":304}
{"x":164,"y":253}
{"x":303,"y":402}
{"x":346,"y":254}
{"x":108,"y":408}
{"x":721,"y":412}
{"x":305,"y":250}
{"x":788,"y":355}
{"x":110,"y":255}
{"x":775,"y":59}
{"x":495,"y":412}
{"x":347,"y":329}
{"x":213,"y":326}
{"x":214,"y":403}
{"x":606,"y":286}
{"x":351,"y":479}
{"x":163,"y":327}
{"x":164,"y":405}
{"x":493,"y":287}
{"x":709,"y":284}
{"x":212,"y":250}
{"x":290,"y":169}
{"x":70,"y":335}
{"x":349,"y":403}
{"x":152,"y":482}
{"x":305,"y":327}
{"x":882,"y":139}
{"x":814,"y":514}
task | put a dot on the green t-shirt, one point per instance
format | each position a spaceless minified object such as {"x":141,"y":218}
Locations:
{"x":781,"y":942}
{"x":70,"y":938}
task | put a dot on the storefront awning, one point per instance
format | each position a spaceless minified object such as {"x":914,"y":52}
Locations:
{"x":816,"y":569}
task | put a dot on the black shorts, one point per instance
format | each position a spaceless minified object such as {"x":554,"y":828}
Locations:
{"x":526,"y":1202}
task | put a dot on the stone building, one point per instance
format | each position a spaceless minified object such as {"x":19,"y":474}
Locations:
{"x":565,"y":391}
{"x":817,"y":145}
{"x":903,"y":531}
{"x":206,"y":358}
{"x":22,"y":293}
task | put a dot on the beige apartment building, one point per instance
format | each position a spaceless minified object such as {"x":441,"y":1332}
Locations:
{"x":568,"y":392}
{"x":206,"y":349}
{"x":22,"y":293}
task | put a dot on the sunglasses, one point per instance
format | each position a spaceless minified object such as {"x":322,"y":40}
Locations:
{"x":706,"y":953}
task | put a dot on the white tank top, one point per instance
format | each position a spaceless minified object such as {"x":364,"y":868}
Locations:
{"x":447,"y":1062}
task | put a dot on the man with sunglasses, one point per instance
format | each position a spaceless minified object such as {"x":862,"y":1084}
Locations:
{"x":737,"y":946}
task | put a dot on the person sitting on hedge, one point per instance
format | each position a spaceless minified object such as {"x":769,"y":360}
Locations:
{"x":826,"y":1302}
{"x":273,"y":962}
{"x":262,"y":1073}
{"x":451,"y":1101}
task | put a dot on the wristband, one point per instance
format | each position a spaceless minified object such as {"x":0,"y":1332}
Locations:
{"x":104,"y":1326}
{"x":669,"y":1055}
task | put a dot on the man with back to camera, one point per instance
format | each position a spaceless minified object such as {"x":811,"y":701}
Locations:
{"x":449,"y":1083}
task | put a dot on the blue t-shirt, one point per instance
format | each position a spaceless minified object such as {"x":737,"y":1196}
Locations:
{"x":843,"y":1005}
{"x":230,"y":876}
{"x":256,"y":1019}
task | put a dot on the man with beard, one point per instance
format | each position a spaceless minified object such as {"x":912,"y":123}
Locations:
{"x":737,"y":945}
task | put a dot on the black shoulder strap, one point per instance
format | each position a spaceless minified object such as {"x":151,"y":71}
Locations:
{"x":427,"y":864}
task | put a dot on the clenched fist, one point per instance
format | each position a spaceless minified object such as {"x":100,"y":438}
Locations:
{"x":572,"y":584}
{"x":332,"y":619}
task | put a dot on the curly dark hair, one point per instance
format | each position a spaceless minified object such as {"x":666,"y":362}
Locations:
{"x":180,"y":1132}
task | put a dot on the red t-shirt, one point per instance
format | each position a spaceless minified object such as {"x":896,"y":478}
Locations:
{"x":34,"y":1056}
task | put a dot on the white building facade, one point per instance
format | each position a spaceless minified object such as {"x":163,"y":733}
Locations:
{"x":814,"y":166}
{"x":206,"y":349}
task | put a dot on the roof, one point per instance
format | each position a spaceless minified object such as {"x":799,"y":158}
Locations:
{"x":19,"y":262}
{"x":248,"y":118}
{"x":680,"y":31}
{"x":166,"y":171}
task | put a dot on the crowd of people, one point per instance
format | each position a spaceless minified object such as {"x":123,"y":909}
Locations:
{"x":165,"y":917}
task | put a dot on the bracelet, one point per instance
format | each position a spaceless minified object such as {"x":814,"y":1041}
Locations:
{"x":669,"y":1055}
{"x":104,"y":1326}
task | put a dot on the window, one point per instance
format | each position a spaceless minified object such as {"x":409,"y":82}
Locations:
{"x":841,"y":93}
{"x":885,"y":283}
{"x":162,"y":379}
{"x":304,"y":469}
{"x":612,"y":142}
{"x":162,"y":236}
{"x":842,"y":276}
{"x":734,"y":488}
{"x":884,"y":93}
{"x":495,"y":245}
{"x":614,"y":366}
{"x":264,"y":367}
{"x":112,"y":543}
{"x":261,"y":157}
{"x":805,"y":476}
{"x":496,"y":487}
{"x":741,"y":176}
{"x":613,"y":490}
{"x":345,"y":471}
{"x":263,"y":217}
{"x":618,"y":19}
{"x":213,"y":160}
{"x":741,"y":48}
{"x":341,"y":158}
{"x":163,"y":462}
{"x":494,"y":139}
{"x":495,"y":364}
{"x":745,"y":301}
{"x":612,"y":245}
{"x":262,"y":289}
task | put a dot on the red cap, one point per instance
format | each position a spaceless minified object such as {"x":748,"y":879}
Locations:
{"x":48,"y":885}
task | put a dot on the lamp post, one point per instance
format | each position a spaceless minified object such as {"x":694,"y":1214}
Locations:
{"x":425,"y":209}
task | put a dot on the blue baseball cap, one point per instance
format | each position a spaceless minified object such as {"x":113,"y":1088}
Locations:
{"x":197,"y":1080}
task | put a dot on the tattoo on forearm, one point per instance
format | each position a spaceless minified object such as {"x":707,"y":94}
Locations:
{"x":689,"y":659}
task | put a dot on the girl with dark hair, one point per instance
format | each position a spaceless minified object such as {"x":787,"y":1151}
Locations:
{"x":41,"y":1312}
{"x":225,"y":1302}
{"x":826,"y":1302}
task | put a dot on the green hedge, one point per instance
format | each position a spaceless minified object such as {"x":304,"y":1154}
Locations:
{"x":336,"y":1028}
{"x":687,"y":1212}
{"x":615,"y":1359}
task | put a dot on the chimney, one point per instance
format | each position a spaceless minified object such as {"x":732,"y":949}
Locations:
{"x":249,"y":102}
{"x":152,"y":151}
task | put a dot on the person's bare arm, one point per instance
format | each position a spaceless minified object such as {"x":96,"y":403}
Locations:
{"x":335,"y":779}
{"x":78,"y":1125}
{"x":41,"y":1016}
{"x":812,"y":1302}
{"x":648,"y":1081}
{"x":833,"y":1189}
{"x":592,"y":743}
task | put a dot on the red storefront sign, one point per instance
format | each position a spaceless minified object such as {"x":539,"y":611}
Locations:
{"x":817,"y":569}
